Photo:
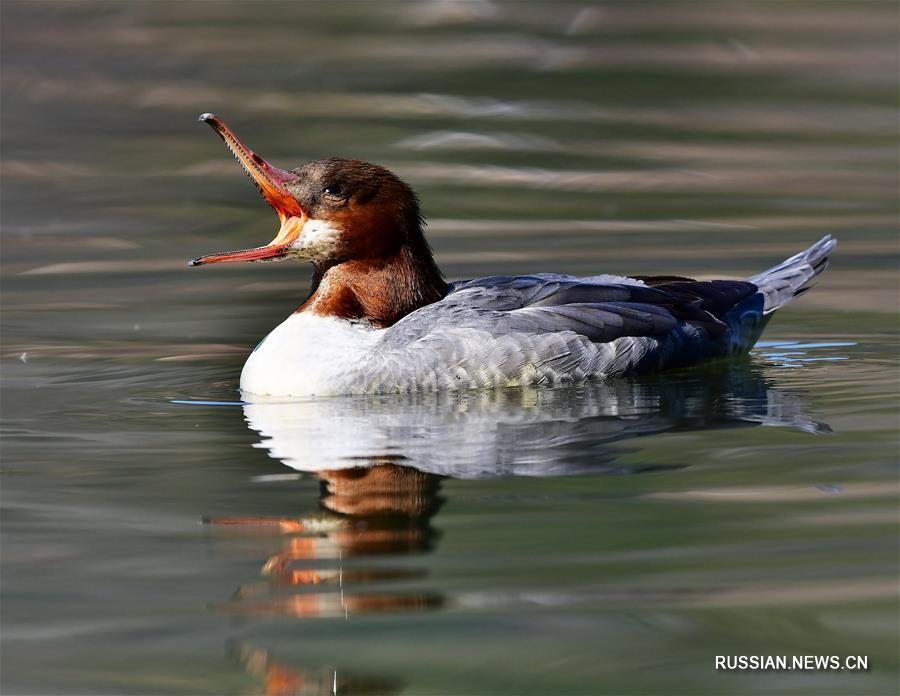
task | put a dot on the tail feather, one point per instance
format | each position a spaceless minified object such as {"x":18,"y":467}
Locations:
{"x":793,"y":277}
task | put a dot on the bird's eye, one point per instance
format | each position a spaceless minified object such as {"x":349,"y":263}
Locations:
{"x":334,"y":190}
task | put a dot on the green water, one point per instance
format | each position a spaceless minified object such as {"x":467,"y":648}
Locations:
{"x":603,"y":539}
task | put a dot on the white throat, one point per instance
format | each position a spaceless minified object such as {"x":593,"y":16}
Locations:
{"x":317,"y":241}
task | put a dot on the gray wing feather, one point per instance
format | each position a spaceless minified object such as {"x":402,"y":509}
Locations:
{"x":548,"y":328}
{"x":501,"y":304}
{"x":597,"y":321}
{"x":527,"y":329}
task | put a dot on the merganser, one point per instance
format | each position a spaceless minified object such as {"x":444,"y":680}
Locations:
{"x":380,"y":317}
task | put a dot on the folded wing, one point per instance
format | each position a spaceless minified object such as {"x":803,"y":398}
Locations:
{"x":599,"y":311}
{"x":547,"y":328}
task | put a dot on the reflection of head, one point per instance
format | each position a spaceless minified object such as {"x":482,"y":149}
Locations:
{"x":388,"y":508}
{"x":381,"y":490}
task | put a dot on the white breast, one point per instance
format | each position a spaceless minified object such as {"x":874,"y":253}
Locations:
{"x":308,"y":355}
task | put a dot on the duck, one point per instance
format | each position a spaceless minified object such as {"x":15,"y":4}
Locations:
{"x":381,"y":318}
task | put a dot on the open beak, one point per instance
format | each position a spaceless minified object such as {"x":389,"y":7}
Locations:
{"x":271,"y":183}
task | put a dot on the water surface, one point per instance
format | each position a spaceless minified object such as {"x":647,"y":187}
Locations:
{"x":161,"y":537}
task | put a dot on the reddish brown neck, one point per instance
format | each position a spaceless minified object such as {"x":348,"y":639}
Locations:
{"x":381,"y":291}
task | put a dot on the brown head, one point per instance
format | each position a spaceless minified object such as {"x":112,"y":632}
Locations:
{"x":358,"y":224}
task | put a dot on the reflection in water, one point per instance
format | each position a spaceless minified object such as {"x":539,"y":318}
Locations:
{"x":281,"y":680}
{"x":384,"y":509}
{"x":524,"y":431}
{"x":381,"y":509}
{"x":380,"y":461}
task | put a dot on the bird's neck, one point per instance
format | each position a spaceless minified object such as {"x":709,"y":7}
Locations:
{"x":380,"y":290}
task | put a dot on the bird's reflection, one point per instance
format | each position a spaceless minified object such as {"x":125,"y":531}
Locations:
{"x":382,"y":509}
{"x":520,"y":432}
{"x":380,"y":461}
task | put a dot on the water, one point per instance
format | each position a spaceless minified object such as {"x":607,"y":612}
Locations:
{"x":608,"y":538}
